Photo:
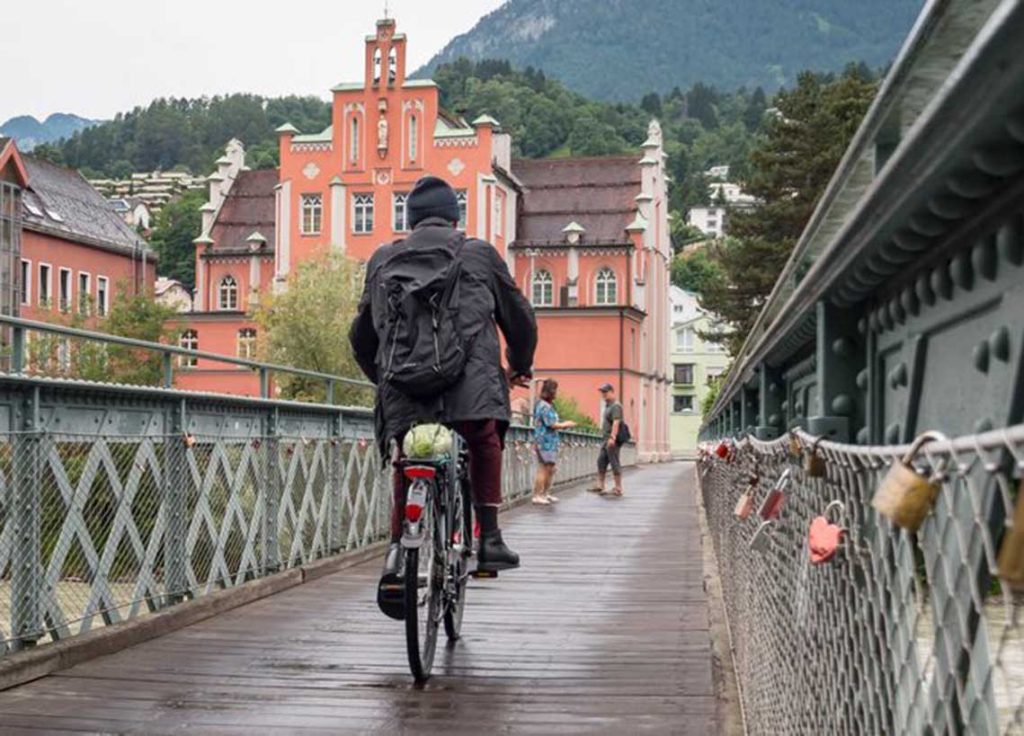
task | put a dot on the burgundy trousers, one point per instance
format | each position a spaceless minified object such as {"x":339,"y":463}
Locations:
{"x":484,"y":445}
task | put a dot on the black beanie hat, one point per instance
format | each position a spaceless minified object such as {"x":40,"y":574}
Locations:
{"x":432,"y":197}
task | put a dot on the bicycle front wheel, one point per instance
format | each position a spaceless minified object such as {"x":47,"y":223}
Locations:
{"x":424,"y":587}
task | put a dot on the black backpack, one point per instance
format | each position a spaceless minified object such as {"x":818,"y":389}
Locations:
{"x":421,"y":352}
{"x":622,"y":436}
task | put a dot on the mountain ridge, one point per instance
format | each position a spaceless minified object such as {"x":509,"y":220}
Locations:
{"x":604,"y":49}
{"x":29,"y":132}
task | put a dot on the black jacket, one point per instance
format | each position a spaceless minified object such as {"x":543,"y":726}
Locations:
{"x":488,"y":298}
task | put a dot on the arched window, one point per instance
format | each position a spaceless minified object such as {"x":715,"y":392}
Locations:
{"x":392,"y":65}
{"x":190,"y":341}
{"x":413,"y":137}
{"x":353,"y":141}
{"x":543,"y":289}
{"x":247,"y":343}
{"x":228,"y":294}
{"x":607,"y":287}
{"x":376,"y":66}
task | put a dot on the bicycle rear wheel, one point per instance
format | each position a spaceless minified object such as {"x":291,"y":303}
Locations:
{"x":458,"y":565}
{"x":424,"y":589}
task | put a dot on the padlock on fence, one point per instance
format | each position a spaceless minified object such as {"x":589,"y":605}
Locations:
{"x":762,"y":537}
{"x":824,"y":536}
{"x":722,"y":451}
{"x":905,"y":496}
{"x":771,"y":507}
{"x":1011,"y":552}
{"x":814,"y":464}
{"x":745,"y":504}
{"x":795,"y":448}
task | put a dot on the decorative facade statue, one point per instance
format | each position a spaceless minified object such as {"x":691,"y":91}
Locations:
{"x":382,"y":135}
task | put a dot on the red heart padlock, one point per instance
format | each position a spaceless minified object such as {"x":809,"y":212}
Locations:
{"x":722,"y":450}
{"x":824,"y":537}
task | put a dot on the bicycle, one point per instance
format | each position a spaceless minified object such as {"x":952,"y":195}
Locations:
{"x":437,"y":543}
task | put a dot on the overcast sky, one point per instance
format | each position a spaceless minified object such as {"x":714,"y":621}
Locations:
{"x":95,"y":58}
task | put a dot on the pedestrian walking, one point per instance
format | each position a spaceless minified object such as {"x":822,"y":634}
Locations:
{"x":613,"y":433}
{"x":546,"y":425}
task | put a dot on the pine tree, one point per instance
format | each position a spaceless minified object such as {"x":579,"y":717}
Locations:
{"x":808,"y":131}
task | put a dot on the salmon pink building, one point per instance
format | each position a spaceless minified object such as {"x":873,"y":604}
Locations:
{"x":586,"y":238}
{"x":68,"y":252}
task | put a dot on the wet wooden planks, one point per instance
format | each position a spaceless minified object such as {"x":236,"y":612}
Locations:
{"x":603,"y":630}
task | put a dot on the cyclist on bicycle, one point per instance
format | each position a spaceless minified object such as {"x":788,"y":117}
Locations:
{"x":476,"y":405}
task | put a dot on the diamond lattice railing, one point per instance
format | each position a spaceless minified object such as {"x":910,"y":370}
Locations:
{"x":901,"y":632}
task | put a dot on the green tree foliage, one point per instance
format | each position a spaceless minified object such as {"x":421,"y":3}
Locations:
{"x":695,"y":271}
{"x":306,"y":327}
{"x":190,"y":133}
{"x":802,"y":144}
{"x":711,"y":395}
{"x":137,"y":316}
{"x":568,"y":408}
{"x":176,"y":226}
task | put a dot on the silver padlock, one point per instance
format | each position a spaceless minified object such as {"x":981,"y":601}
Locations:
{"x":762,"y":537}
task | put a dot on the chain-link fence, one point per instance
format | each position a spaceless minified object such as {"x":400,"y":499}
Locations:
{"x":900,"y":632}
{"x":96,"y":529}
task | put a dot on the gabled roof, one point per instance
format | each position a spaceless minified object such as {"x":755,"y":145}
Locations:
{"x":61,"y":202}
{"x":10,"y":157}
{"x":248,"y":208}
{"x":597,"y":193}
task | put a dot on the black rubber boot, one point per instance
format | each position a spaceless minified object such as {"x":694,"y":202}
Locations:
{"x":391,"y":588}
{"x":494,"y":554}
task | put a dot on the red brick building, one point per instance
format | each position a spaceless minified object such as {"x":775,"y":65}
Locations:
{"x":586,"y":238}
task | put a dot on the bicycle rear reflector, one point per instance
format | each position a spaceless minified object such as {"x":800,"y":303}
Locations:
{"x":420,"y":472}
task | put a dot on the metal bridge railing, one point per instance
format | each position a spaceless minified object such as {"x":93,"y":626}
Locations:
{"x":900,"y":633}
{"x":96,"y":529}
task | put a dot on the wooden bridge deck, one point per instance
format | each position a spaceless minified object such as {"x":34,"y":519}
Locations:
{"x":603,"y":630}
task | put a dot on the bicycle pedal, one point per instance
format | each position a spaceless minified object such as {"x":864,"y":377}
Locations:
{"x":484,"y":573}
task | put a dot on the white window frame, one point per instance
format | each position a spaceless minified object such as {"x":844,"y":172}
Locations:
{"x":26,"y":282}
{"x":543,"y":281}
{"x":400,"y":225}
{"x":189,"y":340}
{"x":246,"y":343}
{"x":45,"y":300}
{"x":83,"y":308}
{"x":606,"y":287}
{"x":693,"y":404}
{"x":64,"y":304}
{"x":682,"y":344}
{"x":102,"y":287}
{"x":311,"y":209}
{"x":226,"y":289}
{"x":362,"y":213}
{"x":462,"y":197}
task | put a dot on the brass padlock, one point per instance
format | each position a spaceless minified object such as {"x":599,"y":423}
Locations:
{"x":794,"y":445}
{"x":1011,"y":551}
{"x":905,"y":496}
{"x":814,"y":464}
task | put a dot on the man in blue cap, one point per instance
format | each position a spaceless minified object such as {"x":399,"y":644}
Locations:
{"x":476,"y":400}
